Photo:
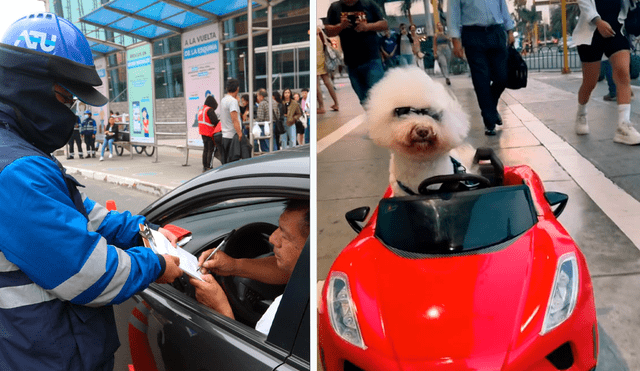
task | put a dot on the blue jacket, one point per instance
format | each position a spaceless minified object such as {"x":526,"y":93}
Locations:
{"x":88,"y":127}
{"x":63,"y":263}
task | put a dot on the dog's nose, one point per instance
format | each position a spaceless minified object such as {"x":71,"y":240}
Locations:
{"x":425,"y":132}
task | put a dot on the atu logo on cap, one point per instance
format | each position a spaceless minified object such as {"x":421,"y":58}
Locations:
{"x":31,"y":39}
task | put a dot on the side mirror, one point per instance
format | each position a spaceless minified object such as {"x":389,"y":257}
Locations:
{"x":557,"y":198}
{"x":357,"y":216}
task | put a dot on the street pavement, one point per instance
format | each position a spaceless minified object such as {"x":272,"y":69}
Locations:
{"x":602,"y":179}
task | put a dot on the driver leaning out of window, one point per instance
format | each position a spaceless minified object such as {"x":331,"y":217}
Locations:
{"x":288,"y":241}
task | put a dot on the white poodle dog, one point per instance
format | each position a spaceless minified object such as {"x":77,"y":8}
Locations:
{"x":420,"y":122}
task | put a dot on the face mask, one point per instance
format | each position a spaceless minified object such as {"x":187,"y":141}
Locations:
{"x":86,"y":117}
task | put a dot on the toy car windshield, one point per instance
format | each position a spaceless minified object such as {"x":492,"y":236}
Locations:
{"x":451,"y":223}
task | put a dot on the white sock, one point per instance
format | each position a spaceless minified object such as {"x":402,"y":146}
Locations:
{"x":624,"y":113}
{"x":582,"y":109}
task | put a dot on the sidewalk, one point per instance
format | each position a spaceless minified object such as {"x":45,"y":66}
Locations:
{"x":603,"y":213}
{"x":140,"y":171}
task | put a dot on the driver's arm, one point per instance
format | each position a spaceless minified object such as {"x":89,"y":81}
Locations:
{"x":263,"y":269}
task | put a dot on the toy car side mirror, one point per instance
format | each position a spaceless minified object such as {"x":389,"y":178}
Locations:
{"x":557,"y":198}
{"x":356,"y":216}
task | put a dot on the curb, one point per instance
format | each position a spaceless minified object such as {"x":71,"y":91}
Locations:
{"x":147,"y":187}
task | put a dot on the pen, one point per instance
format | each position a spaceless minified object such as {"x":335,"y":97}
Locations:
{"x":224,"y":242}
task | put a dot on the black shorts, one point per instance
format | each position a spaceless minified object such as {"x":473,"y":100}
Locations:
{"x":600,"y":45}
{"x":299,"y":127}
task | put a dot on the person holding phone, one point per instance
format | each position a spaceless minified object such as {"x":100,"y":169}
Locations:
{"x":357,"y":23}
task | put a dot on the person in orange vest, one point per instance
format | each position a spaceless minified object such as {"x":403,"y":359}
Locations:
{"x":208,"y":127}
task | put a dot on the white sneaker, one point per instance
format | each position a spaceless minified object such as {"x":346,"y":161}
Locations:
{"x":582,"y":128}
{"x":627,"y":134}
{"x":101,"y":158}
{"x":110,"y":155}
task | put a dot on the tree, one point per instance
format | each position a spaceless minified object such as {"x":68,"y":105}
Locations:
{"x":573,"y":11}
{"x":405,"y":8}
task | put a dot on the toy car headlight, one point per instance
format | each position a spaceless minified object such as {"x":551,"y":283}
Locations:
{"x":564,"y":293}
{"x":342,"y":310}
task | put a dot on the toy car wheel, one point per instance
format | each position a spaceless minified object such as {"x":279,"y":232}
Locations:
{"x":148,"y":151}
{"x":139,"y":149}
{"x":453,"y":183}
{"x":119,"y":150}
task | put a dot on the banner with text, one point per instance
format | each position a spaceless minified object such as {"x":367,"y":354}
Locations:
{"x":140,"y":89}
{"x":101,"y":114}
{"x":201,"y":72}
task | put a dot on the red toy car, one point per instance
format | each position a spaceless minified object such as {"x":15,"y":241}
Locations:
{"x":461,"y":278}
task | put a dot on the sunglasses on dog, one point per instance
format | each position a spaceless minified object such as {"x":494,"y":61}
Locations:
{"x":401,"y":111}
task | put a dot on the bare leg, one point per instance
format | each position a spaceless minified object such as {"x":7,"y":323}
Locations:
{"x":332,"y":92}
{"x":590,"y":74}
{"x":320,"y":99}
{"x":620,"y":64}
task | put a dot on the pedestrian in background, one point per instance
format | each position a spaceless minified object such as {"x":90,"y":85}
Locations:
{"x":305,"y":104}
{"x":357,"y":23}
{"x":598,"y":32}
{"x":262,"y":115}
{"x":484,"y":29}
{"x":389,"y":50}
{"x":65,"y":260}
{"x":88,"y":131}
{"x":110,"y":135}
{"x":75,"y":138}
{"x":232,"y":137}
{"x":405,"y":41}
{"x":278,"y":118}
{"x":208,"y":125}
{"x":292,"y":114}
{"x":321,"y":72}
{"x":443,"y":52}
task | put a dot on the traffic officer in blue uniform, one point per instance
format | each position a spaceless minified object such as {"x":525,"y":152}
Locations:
{"x":88,"y":131}
{"x":64,"y":259}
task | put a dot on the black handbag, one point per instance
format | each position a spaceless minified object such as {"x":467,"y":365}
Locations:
{"x":517,"y":70}
{"x":632,"y":23}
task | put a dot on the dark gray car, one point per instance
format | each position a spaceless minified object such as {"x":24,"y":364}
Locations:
{"x":170,"y":330}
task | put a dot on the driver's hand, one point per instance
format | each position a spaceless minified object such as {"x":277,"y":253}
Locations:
{"x":170,"y":236}
{"x":220,"y":264}
{"x":209,"y":293}
{"x":172,"y":270}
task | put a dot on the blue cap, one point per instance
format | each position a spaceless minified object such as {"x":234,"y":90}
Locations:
{"x":50,"y":46}
{"x":87,"y":111}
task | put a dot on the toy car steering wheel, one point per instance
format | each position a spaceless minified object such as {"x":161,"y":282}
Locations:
{"x":453,"y":183}
{"x":248,"y":298}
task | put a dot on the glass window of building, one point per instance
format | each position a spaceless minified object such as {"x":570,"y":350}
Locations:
{"x":168,"y":76}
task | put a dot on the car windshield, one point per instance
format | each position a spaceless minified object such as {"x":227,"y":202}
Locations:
{"x":451,"y":223}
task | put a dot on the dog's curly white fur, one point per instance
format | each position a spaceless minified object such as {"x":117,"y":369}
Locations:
{"x":420,"y":144}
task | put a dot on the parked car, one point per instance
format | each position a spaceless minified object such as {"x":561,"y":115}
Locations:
{"x":170,"y":330}
{"x":476,"y":274}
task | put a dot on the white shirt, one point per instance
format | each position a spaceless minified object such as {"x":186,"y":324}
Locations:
{"x":265,"y":322}
{"x":228,"y":104}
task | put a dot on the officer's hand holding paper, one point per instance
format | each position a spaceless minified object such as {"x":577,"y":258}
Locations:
{"x":161,"y":245}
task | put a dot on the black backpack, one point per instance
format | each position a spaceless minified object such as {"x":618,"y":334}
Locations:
{"x":632,"y":23}
{"x":516,"y":70}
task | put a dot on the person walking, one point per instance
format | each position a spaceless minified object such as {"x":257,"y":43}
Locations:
{"x":278,"y":118}
{"x":75,"y":138}
{"x":599,"y":31}
{"x":88,"y":132}
{"x":357,"y":23}
{"x":321,"y":72}
{"x":207,"y":127}
{"x":443,"y":52}
{"x":484,"y":29}
{"x":262,"y":115}
{"x":110,"y":135}
{"x":65,"y":260}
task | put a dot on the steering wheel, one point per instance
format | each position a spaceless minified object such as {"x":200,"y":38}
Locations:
{"x":249,"y":299}
{"x":453,"y":183}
